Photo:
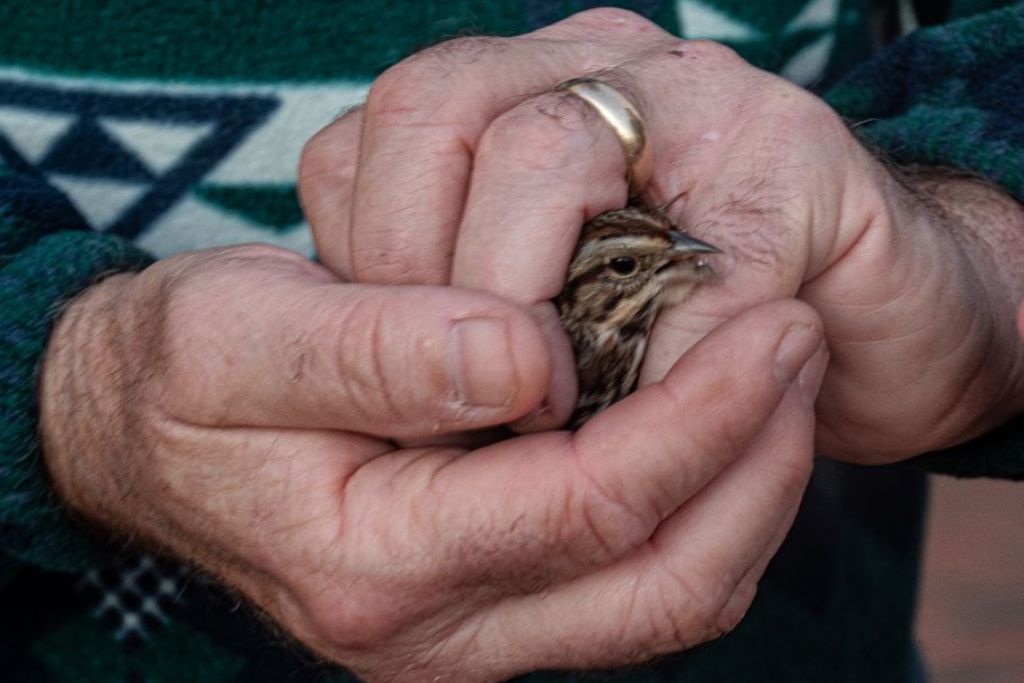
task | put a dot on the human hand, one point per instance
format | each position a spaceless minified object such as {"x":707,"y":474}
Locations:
{"x":235,"y":407}
{"x":464,"y":168}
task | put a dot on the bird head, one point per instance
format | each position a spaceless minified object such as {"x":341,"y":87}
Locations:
{"x":629,"y":262}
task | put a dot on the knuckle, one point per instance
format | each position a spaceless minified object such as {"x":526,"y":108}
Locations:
{"x":466,"y":50}
{"x":612,"y":19}
{"x":401,"y":264}
{"x":799,"y":117}
{"x":709,"y":620}
{"x":399,"y":94}
{"x":314,"y":160}
{"x":731,"y":614}
{"x":362,"y":620}
{"x":611,"y":521}
{"x":249,"y":254}
{"x":176,"y":311}
{"x":795,"y":472}
{"x":818,"y":118}
{"x":693,"y":609}
{"x":711,"y":53}
{"x":361,"y":362}
{"x":331,"y":149}
{"x":721,"y":437}
{"x":416,"y":89}
{"x":544,"y":134}
{"x":186,"y":354}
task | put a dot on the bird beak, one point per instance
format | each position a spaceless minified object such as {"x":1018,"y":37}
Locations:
{"x":684,"y":244}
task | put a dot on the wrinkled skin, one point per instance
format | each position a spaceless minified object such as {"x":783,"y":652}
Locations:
{"x":242,"y":407}
{"x":464,"y":168}
{"x":235,"y":408}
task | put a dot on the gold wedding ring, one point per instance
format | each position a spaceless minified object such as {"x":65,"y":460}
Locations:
{"x":619,"y":113}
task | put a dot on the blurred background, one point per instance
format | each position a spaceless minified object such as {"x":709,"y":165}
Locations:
{"x":971,"y":614}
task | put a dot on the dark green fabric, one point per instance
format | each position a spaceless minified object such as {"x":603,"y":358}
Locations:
{"x":261,"y":41}
{"x":274,"y":207}
{"x":950,"y":96}
{"x":33,"y":528}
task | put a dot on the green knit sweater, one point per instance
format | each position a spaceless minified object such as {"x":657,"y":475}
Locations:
{"x":130,"y":131}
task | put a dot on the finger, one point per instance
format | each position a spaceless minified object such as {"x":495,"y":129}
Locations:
{"x":546,"y":166}
{"x":542,"y":170}
{"x":327,"y":174}
{"x":424,"y":119}
{"x":696,"y":577}
{"x":753,"y":185}
{"x":302,"y":351}
{"x":553,"y":505}
{"x":737,"y":605}
{"x":560,"y":398}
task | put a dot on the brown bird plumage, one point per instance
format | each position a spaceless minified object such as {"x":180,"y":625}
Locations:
{"x":628,"y":263}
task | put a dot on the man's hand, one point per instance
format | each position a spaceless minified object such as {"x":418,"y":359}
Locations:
{"x":237,"y":408}
{"x":465,"y":168}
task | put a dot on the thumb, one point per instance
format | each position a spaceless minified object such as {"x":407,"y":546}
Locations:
{"x":391,"y":361}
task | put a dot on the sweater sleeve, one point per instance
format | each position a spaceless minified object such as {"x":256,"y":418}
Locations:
{"x":47,"y":256}
{"x":952,"y":96}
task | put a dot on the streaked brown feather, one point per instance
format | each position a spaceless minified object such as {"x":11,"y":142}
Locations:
{"x":609,"y":316}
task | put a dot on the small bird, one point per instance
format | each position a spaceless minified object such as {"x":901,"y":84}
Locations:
{"x":628,"y":263}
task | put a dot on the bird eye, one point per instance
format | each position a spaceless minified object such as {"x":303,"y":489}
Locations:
{"x":623,"y":265}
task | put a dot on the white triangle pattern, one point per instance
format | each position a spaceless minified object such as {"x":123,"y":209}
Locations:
{"x":271,"y":153}
{"x":191,"y":224}
{"x":158,"y":145}
{"x":703,"y":22}
{"x":809,"y":63}
{"x":101,"y":202}
{"x":33,"y":132}
{"x":817,"y":14}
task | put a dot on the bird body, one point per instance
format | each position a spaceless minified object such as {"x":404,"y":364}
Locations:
{"x":628,"y":263}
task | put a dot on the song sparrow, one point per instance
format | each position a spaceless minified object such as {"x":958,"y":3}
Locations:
{"x":627,"y":264}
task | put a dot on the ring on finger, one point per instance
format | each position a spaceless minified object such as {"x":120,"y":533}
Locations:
{"x":624,"y":119}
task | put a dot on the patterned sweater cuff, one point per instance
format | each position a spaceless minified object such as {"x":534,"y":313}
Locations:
{"x":952,"y":96}
{"x":34,"y":283}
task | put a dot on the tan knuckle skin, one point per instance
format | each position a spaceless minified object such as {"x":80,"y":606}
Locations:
{"x":659,"y":621}
{"x":323,"y":152}
{"x":728,"y":615}
{"x":400,"y":264}
{"x":683,"y":612}
{"x":603,"y":20}
{"x":318,"y":157}
{"x":416,"y":90}
{"x":184,"y":353}
{"x":716,"y":71}
{"x":364,"y":367}
{"x":709,"y":54}
{"x":548,"y":133}
{"x":804,"y":121}
{"x":327,"y":165}
{"x":608,"y":521}
{"x":339,"y":623}
{"x":818,"y":124}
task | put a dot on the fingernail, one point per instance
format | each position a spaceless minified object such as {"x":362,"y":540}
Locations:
{"x":795,"y":349}
{"x":480,"y":362}
{"x":542,"y":410}
{"x":809,"y":380}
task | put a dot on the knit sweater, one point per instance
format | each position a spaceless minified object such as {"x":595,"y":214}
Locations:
{"x":130,"y":131}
